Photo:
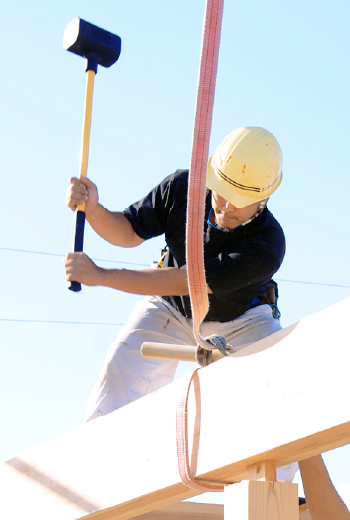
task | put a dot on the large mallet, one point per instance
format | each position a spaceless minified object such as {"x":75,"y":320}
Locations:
{"x":99,"y":47}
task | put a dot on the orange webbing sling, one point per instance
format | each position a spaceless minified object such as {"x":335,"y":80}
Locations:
{"x":195,"y":219}
{"x":198,"y":166}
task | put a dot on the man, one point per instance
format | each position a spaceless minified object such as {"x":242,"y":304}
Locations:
{"x":243,"y":247}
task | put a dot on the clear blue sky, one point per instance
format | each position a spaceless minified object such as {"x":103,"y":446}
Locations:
{"x":283,"y":65}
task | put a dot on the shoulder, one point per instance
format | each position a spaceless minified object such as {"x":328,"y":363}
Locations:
{"x":272,"y":226}
{"x":177,"y":179}
{"x":165,"y":190}
{"x":174,"y":181}
{"x":270,"y":220}
{"x":173,"y":188}
{"x":265,"y":233}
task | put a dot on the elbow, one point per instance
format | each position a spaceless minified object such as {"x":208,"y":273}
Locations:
{"x":134,"y":241}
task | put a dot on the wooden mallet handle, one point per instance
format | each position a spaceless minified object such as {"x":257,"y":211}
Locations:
{"x":84,"y":156}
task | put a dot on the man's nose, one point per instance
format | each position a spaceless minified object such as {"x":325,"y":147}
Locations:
{"x":229,"y":206}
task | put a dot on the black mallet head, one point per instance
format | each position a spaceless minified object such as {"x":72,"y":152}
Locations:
{"x":98,"y":46}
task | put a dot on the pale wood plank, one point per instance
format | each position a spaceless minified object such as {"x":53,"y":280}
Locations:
{"x":186,"y":511}
{"x":196,"y":511}
{"x":265,"y":469}
{"x":124,"y":464}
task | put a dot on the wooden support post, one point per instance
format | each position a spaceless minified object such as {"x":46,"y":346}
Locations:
{"x":262,"y":470}
{"x":255,"y":500}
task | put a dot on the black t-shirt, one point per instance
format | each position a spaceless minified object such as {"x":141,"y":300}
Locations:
{"x":238,"y":263}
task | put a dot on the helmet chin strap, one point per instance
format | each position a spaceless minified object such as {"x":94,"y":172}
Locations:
{"x":260,"y":209}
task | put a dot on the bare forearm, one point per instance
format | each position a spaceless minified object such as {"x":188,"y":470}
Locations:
{"x":163,"y":282}
{"x":167,"y":281}
{"x":113,"y":227}
{"x":322,"y":499}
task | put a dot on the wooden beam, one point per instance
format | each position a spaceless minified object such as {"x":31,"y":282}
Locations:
{"x":265,"y":469}
{"x":274,"y":401}
{"x":196,"y":511}
{"x":186,"y":511}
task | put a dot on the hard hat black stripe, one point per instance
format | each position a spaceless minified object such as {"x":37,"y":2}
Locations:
{"x":236,"y":184}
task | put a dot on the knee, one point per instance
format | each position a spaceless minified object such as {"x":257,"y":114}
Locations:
{"x":121,"y":353}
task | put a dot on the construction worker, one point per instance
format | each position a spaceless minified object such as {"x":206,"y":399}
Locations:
{"x":244,"y":246}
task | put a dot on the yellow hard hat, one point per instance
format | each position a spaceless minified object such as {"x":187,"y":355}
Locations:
{"x":246,"y":167}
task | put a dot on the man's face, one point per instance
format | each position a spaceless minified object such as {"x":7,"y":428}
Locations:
{"x":228,"y":216}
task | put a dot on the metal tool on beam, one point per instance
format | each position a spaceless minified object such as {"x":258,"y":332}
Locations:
{"x":98,"y":47}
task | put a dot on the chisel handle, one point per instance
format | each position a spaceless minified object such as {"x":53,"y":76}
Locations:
{"x":168,"y":351}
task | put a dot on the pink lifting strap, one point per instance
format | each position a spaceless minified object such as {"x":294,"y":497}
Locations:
{"x":195,"y":220}
{"x":182,"y":439}
{"x":198,"y":167}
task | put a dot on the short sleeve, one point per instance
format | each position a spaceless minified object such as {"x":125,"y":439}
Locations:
{"x":148,"y":216}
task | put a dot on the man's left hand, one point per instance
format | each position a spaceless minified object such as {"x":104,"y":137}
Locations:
{"x":80,"y":268}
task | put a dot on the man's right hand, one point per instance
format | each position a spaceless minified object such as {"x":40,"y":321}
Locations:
{"x":81,"y":190}
{"x":113,"y":226}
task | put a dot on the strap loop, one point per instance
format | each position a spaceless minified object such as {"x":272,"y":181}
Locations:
{"x":182,"y":439}
{"x":204,"y":356}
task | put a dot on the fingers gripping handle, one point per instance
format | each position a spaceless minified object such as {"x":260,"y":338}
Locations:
{"x":78,"y":243}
